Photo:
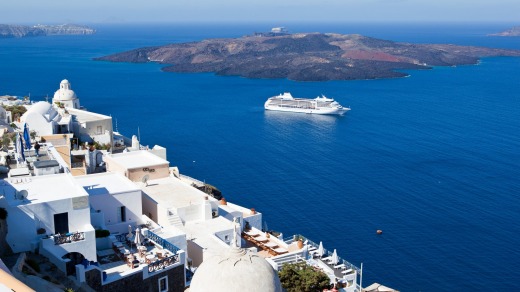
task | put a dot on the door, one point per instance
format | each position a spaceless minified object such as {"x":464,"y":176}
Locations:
{"x":61,"y":223}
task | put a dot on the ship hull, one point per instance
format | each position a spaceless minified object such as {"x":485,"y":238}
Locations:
{"x":319,"y":111}
{"x":320,"y":105}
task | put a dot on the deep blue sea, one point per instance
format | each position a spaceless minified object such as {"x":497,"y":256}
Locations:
{"x":433,"y":159}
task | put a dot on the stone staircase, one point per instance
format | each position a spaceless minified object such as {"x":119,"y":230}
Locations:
{"x":175,"y":220}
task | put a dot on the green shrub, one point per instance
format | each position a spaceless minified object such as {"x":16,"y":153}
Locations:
{"x":300,"y":277}
{"x":100,"y":233}
{"x":3,"y":213}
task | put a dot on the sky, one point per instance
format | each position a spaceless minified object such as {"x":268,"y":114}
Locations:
{"x":279,"y":11}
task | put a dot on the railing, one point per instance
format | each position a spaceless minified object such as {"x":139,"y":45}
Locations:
{"x":121,"y":237}
{"x":326,"y":253}
{"x":68,"y":238}
{"x":77,"y":164}
{"x":162,"y":242}
{"x":193,"y":180}
{"x":161,"y":264}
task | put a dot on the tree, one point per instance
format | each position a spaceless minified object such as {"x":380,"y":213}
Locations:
{"x":16,"y":110}
{"x":302,"y":277}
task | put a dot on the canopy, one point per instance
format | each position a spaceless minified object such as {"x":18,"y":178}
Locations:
{"x":26,"y":136}
{"x":320,"y":250}
{"x":19,"y":148}
{"x":138,"y":237}
{"x":335,"y":258}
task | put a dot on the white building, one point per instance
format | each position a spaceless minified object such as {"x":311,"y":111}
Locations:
{"x":114,"y":200}
{"x":65,"y":116}
{"x":136,"y":165}
{"x":50,"y":213}
{"x":65,"y":96}
{"x":90,"y":126}
{"x":44,"y":119}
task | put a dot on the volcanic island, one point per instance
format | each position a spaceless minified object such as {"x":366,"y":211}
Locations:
{"x":306,"y":56}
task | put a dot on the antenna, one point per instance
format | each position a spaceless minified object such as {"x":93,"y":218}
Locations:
{"x":145,"y":179}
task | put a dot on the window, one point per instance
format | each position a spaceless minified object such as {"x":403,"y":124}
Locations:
{"x":163,"y":284}
{"x":99,"y":130}
{"x":121,"y":214}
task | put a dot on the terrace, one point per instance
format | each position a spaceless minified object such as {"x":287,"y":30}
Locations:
{"x":154,"y":255}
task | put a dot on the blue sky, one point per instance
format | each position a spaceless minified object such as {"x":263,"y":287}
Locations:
{"x":279,"y":11}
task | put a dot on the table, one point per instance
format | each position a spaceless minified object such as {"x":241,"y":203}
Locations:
{"x":118,"y":244}
{"x":271,"y":244}
{"x":150,"y":258}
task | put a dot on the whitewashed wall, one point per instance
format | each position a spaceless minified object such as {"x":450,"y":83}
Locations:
{"x":109,"y":205}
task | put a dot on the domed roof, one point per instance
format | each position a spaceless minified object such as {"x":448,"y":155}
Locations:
{"x":64,"y":93}
{"x":237,"y":270}
{"x":42,"y":108}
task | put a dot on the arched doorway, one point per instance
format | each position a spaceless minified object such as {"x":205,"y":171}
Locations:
{"x":75,"y":259}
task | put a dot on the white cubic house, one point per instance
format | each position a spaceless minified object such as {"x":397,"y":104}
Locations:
{"x":51,"y":214}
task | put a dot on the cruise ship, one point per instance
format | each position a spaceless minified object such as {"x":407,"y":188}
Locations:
{"x":320,"y":105}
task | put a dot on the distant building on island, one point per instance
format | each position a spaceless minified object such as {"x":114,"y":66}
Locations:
{"x":275,"y":31}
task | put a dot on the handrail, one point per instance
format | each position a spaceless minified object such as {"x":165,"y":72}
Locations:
{"x":161,"y":264}
{"x":162,"y":242}
{"x":68,"y":238}
{"x":121,"y":237}
{"x":327,"y":252}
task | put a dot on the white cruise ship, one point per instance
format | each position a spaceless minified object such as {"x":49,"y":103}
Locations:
{"x":319,"y":105}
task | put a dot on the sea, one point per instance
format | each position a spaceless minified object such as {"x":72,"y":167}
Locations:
{"x":432,"y":160}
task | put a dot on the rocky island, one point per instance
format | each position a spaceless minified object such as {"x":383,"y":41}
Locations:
{"x":514,"y":31}
{"x":306,"y":56}
{"x":19,"y":31}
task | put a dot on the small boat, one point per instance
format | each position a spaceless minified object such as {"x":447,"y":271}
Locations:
{"x":320,"y":105}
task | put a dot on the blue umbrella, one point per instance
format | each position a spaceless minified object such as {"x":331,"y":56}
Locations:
{"x":26,"y":136}
{"x":19,"y":147}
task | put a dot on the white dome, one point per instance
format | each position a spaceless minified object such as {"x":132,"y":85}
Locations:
{"x":237,"y":270}
{"x":41,"y":108}
{"x":64,"y":93}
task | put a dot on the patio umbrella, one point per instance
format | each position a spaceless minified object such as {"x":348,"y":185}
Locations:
{"x":265,"y":226}
{"x":19,"y":148}
{"x":129,"y":236}
{"x":138,"y":237}
{"x":335,"y":258}
{"x":320,"y":249}
{"x":26,"y":136}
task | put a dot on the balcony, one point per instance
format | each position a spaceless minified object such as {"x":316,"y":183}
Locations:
{"x":68,"y":237}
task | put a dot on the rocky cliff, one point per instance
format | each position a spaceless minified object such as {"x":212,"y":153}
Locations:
{"x":306,"y":56}
{"x":19,"y":31}
{"x":514,"y":31}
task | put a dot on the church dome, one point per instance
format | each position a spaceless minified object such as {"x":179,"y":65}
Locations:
{"x":64,"y":93}
{"x":40,"y":108}
{"x":237,"y":270}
